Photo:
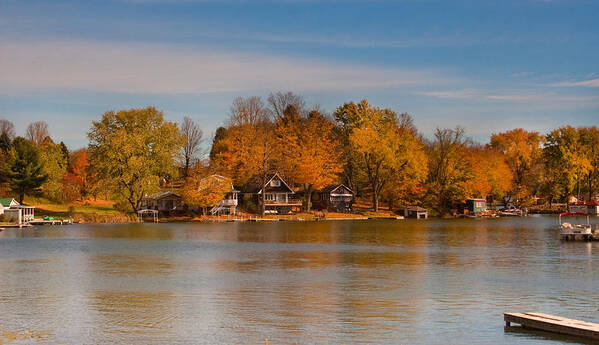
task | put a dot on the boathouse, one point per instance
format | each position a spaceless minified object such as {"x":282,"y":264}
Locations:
{"x":476,"y":205}
{"x":11,"y":208}
{"x":415,"y":212}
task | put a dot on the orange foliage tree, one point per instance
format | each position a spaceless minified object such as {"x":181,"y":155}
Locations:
{"x":522,"y":152}
{"x":246,"y":148}
{"x":388,"y":147}
{"x":75,"y":179}
{"x":490,"y":175}
{"x":205,"y":191}
{"x":309,"y":154}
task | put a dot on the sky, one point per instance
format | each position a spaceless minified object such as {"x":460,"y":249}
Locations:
{"x":488,"y":66}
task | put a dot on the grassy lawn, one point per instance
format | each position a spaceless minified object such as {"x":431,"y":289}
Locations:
{"x":85,"y":211}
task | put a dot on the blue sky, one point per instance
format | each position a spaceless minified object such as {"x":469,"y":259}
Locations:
{"x":486,"y":65}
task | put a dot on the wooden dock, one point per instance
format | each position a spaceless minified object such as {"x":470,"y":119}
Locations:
{"x":50,"y":222}
{"x":555,"y":324}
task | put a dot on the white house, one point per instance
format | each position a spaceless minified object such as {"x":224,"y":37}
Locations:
{"x":12,"y":209}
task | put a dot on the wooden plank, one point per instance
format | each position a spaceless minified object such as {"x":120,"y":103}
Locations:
{"x":552,"y":323}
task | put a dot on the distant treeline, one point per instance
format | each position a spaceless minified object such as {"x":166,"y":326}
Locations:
{"x":376,"y":152}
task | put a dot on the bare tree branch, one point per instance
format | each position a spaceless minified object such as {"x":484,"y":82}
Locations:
{"x":192,"y":144}
{"x":37,"y":132}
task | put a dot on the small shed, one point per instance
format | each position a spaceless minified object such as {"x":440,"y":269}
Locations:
{"x":415,"y":212}
{"x":475,"y":206}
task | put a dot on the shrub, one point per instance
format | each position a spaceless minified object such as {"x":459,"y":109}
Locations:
{"x":122,"y":206}
{"x":2,"y":217}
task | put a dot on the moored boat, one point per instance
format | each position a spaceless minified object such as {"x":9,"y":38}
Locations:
{"x":575,"y":231}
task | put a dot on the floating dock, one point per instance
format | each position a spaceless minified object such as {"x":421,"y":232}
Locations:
{"x":555,"y":324}
{"x":50,"y":222}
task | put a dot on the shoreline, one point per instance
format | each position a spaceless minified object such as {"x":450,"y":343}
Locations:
{"x":98,"y":219}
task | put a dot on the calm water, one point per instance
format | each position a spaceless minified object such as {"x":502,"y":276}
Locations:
{"x":347,"y":282}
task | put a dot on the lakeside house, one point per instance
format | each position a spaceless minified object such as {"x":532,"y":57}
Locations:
{"x":590,"y":207}
{"x":415,"y":212}
{"x":334,"y":198}
{"x":171,"y":203}
{"x":166,"y":202}
{"x":12,"y":209}
{"x":279,"y":197}
{"x":228,"y":205}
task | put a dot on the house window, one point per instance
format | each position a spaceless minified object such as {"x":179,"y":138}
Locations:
{"x":269,"y":197}
{"x":275,"y":183}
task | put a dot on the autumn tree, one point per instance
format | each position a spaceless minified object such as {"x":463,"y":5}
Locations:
{"x":216,"y":148}
{"x":24,"y":170}
{"x":37,"y":132}
{"x":247,"y":148}
{"x":388,"y":150}
{"x":191,"y":151}
{"x":522,"y":152}
{"x":75,"y":181}
{"x":131,"y":150}
{"x":309,"y":153}
{"x":448,"y":171}
{"x":55,"y":167}
{"x":589,"y":137}
{"x":205,"y":191}
{"x":279,"y":102}
{"x":348,"y":117}
{"x":8,"y":128}
{"x":5,"y":143}
{"x":566,"y":159}
{"x":247,"y":111}
{"x":489,"y":174}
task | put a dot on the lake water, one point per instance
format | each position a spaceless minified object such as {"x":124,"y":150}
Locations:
{"x":343,"y":282}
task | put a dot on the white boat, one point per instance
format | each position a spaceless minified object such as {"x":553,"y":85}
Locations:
{"x":512,"y":211}
{"x":575,"y":231}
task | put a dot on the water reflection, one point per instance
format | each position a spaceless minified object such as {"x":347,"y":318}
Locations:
{"x":358,"y":282}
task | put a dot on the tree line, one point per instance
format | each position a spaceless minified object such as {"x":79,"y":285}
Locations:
{"x":377,"y":152}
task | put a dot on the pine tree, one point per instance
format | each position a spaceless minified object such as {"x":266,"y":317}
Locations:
{"x":25,"y":169}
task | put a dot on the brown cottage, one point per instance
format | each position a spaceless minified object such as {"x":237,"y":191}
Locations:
{"x":279,"y":197}
{"x":334,"y":198}
{"x":165,"y":202}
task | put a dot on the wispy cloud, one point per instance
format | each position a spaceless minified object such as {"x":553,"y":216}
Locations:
{"x":172,"y":69}
{"x":530,"y":99}
{"x":584,"y":83}
{"x":482,"y":95}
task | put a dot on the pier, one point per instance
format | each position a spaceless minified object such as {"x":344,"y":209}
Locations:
{"x":555,"y":324}
{"x":50,"y":222}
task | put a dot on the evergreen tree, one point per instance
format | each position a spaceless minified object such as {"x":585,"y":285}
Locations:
{"x":5,"y":143}
{"x":24,"y":170}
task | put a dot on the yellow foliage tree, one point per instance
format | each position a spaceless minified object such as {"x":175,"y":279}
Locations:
{"x":522,"y":152}
{"x":490,"y":175}
{"x":389,"y":150}
{"x":131,"y":150}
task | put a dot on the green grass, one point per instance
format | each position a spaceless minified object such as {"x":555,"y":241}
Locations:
{"x":91,"y":211}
